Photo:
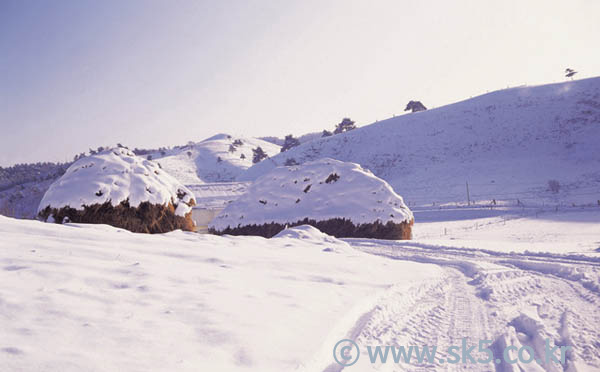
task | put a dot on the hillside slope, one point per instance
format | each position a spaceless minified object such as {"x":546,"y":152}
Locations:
{"x":213,"y":159}
{"x":507,"y":145}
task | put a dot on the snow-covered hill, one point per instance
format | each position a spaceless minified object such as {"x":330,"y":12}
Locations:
{"x":22,"y":186}
{"x":220,"y":158}
{"x":321,"y":190}
{"x":506,"y":144}
{"x":305,"y":138}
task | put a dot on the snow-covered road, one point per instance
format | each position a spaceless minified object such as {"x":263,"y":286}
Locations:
{"x":508,"y":298}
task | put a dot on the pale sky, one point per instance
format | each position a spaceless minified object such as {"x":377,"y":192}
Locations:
{"x":76,"y":74}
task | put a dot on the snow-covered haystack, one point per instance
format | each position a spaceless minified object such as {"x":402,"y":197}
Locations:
{"x":340,"y":199}
{"x":118,"y":188}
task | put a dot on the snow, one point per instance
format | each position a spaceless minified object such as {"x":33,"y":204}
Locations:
{"x":115,"y":175}
{"x":503,"y":294}
{"x":507,"y":145}
{"x":211,"y":160}
{"x":303,"y":234}
{"x":96,"y":298}
{"x":217,"y":195}
{"x":568,"y":231}
{"x":319,"y":190}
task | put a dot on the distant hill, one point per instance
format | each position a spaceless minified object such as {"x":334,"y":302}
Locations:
{"x":23,"y":185}
{"x":220,"y":158}
{"x":507,"y":145}
{"x":303,"y":138}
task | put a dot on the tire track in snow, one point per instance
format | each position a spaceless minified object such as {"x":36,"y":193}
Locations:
{"x":511,"y":300}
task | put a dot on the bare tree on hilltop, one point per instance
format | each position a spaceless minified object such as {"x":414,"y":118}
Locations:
{"x":569,"y":72}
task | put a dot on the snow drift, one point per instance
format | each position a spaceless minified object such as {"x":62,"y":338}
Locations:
{"x":340,"y":199}
{"x":121,"y":189}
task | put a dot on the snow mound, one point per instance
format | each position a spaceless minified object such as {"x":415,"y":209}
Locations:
{"x":114,"y":176}
{"x":220,"y":158}
{"x":320,"y":190}
{"x":304,"y":234}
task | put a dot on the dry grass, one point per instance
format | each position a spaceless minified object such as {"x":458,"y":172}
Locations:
{"x":338,"y":227}
{"x":145,"y":218}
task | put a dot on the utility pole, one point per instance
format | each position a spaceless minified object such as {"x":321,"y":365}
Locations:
{"x":468,"y":197}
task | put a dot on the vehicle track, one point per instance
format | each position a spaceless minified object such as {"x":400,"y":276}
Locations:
{"x":486,"y":297}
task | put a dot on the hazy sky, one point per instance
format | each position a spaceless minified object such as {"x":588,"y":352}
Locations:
{"x":76,"y":74}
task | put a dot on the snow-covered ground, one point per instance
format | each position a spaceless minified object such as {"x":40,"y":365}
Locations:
{"x":566,"y":231}
{"x":219,"y":194}
{"x":515,"y":282}
{"x":96,"y":298}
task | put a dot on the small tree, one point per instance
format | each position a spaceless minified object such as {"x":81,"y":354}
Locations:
{"x":242,"y":156}
{"x":290,"y":161}
{"x":569,"y":72}
{"x":232,"y":149}
{"x":415,"y":106}
{"x":554,"y":186}
{"x":258,"y":154}
{"x":326,"y":133}
{"x":289,"y":142}
{"x":346,"y":125}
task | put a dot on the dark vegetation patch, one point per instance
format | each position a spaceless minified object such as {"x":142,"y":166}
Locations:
{"x":338,"y":227}
{"x":145,"y":218}
{"x":333,"y":177}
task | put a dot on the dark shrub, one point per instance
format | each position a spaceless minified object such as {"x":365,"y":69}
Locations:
{"x":289,"y":142}
{"x":258,"y":155}
{"x":333,"y":177}
{"x":554,"y":186}
{"x":290,"y":162}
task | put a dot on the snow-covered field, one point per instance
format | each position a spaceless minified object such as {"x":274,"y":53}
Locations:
{"x":96,"y":298}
